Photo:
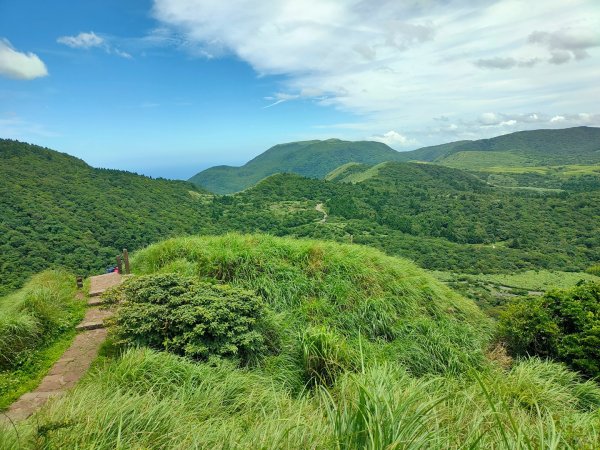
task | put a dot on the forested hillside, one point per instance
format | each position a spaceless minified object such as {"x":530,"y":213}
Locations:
{"x":58,"y":211}
{"x":444,"y":218}
{"x":313,"y":159}
{"x":55,"y":210}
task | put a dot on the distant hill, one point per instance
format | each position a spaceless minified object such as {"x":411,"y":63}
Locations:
{"x":321,"y":159}
{"x":313,"y":159}
{"x":55,"y":210}
{"x":579,"y":145}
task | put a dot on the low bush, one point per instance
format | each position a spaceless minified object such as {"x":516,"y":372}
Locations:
{"x":190,"y":318}
{"x":327,"y":295}
{"x":594,"y":270}
{"x":562,"y":324}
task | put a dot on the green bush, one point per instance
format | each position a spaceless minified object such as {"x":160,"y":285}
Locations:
{"x":562,"y":324}
{"x":594,"y":270}
{"x":191,"y":318}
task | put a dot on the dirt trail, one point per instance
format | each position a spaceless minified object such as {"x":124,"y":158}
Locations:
{"x":321,"y":209}
{"x":75,"y":362}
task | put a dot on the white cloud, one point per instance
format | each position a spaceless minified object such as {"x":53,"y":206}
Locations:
{"x":394,"y":139}
{"x":392,"y":62}
{"x":82,"y":40}
{"x":556,"y":119}
{"x":92,"y":40}
{"x":18,"y":65}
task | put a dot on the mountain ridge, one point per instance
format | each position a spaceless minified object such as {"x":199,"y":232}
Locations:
{"x":313,"y":159}
{"x":319,"y":159}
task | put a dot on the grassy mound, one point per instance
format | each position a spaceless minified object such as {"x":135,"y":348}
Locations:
{"x":336,"y":305}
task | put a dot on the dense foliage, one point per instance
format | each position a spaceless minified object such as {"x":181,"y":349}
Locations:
{"x":197,"y":320}
{"x":373,"y":353}
{"x":562,"y":324}
{"x":56,"y":211}
{"x":331,"y":300}
{"x":442,"y":218}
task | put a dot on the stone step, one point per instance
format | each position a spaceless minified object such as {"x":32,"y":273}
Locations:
{"x":89,"y":326}
{"x":101,"y":283}
{"x":95,"y":301}
{"x":94,"y":319}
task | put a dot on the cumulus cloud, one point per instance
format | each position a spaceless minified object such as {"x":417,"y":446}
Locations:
{"x":391,"y":62}
{"x":18,"y":65}
{"x":394,"y":139}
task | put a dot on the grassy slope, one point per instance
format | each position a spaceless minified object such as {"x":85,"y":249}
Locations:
{"x":579,"y":145}
{"x":36,"y":326}
{"x":146,"y":399}
{"x":58,"y":211}
{"x":313,"y":159}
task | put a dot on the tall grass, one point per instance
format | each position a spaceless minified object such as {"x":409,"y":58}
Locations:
{"x":352,"y":291}
{"x":156,"y":400}
{"x":373,"y":354}
{"x":31,"y":320}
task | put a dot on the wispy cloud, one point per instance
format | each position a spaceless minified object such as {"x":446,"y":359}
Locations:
{"x":14,"y":127}
{"x":19,"y":65}
{"x":82,"y":40}
{"x":88,"y":40}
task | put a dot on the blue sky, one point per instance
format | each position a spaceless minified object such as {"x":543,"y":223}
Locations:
{"x":169,"y":87}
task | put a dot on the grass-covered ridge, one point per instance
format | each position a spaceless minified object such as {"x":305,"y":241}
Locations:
{"x":325,"y":292}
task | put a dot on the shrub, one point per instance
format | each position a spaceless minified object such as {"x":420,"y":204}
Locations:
{"x":562,"y":324}
{"x":191,"y":318}
{"x":594,"y":270}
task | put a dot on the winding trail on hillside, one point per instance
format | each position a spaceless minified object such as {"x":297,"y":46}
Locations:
{"x":74,"y":363}
{"x":321,"y":209}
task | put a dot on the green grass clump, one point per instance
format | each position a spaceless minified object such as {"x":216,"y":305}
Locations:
{"x":350,"y":293}
{"x":33,"y":321}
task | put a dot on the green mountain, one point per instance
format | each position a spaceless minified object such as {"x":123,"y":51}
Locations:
{"x":313,"y":159}
{"x":57,"y":211}
{"x":320,"y":159}
{"x":579,"y":145}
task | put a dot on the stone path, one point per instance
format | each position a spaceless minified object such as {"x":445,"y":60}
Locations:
{"x":75,"y":362}
{"x":101,"y":283}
